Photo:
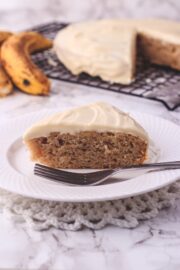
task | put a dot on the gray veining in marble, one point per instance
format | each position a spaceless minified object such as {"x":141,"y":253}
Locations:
{"x":19,"y":14}
{"x":152,"y":246}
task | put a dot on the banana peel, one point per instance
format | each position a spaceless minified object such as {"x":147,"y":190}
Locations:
{"x":6,"y":86}
{"x":4,"y":35}
{"x":16,"y":60}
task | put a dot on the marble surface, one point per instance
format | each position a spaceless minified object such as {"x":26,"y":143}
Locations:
{"x":152,"y":246}
{"x":20,"y":14}
{"x":155,"y":244}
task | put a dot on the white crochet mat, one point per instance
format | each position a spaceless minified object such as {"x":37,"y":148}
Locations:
{"x":126,"y":213}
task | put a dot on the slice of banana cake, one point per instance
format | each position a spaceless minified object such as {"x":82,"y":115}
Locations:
{"x":94,"y":136}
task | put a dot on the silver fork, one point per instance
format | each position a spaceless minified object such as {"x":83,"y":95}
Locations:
{"x":97,"y":177}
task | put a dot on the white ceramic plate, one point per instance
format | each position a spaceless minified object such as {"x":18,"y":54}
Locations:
{"x":16,"y":170}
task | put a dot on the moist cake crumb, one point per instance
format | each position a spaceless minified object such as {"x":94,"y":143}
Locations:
{"x":90,"y":150}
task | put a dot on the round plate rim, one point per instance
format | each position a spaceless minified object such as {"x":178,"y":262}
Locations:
{"x":172,"y":178}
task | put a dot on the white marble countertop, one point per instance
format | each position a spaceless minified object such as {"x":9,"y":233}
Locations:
{"x":155,"y":244}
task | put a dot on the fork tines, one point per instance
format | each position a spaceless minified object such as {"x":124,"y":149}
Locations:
{"x":70,"y":177}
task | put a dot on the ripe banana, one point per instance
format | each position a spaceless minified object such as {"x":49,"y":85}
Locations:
{"x":15,"y":58}
{"x":6,"y":86}
{"x":4,"y":35}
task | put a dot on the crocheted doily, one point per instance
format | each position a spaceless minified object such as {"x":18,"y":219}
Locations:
{"x":125,"y":213}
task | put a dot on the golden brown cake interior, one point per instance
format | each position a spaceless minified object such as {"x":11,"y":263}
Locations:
{"x":88,"y":149}
{"x":159,"y":52}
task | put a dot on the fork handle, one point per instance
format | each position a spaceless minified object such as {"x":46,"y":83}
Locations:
{"x":168,"y":165}
{"x":133,"y":171}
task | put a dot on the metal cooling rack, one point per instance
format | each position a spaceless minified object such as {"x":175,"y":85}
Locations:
{"x":152,"y":82}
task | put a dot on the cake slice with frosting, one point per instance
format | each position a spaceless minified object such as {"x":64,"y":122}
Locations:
{"x":95,"y":136}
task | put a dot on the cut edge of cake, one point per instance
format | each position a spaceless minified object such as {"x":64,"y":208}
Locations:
{"x":159,"y":42}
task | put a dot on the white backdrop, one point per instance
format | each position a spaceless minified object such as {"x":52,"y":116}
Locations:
{"x":19,"y":14}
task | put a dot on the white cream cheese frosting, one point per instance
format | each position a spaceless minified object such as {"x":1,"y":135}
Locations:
{"x":100,"y":48}
{"x":164,"y":30}
{"x":99,"y":117}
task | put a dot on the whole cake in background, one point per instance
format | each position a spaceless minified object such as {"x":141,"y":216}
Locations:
{"x":107,"y":48}
{"x":95,"y":136}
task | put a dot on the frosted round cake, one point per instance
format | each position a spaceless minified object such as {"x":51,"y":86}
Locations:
{"x":107,"y":48}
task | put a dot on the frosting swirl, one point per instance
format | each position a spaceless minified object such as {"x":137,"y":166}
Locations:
{"x":99,"y":117}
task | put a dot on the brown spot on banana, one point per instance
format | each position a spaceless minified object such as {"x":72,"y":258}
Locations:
{"x":26,"y":82}
{"x":15,"y":55}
